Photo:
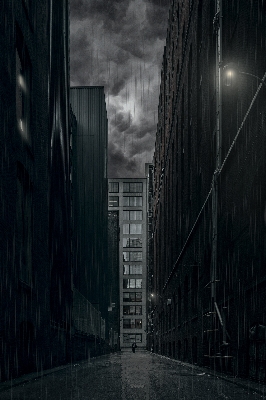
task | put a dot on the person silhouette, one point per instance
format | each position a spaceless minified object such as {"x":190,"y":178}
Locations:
{"x":134,"y":345}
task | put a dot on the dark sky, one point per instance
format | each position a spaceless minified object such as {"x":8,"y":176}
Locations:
{"x":119,"y":44}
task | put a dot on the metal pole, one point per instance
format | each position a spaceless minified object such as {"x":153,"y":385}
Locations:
{"x":218,"y":81}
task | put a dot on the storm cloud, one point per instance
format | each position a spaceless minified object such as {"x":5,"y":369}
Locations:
{"x":119,"y":44}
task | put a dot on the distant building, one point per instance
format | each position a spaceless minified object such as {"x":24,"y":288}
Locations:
{"x":128,"y":197}
{"x":90,"y":211}
{"x":209,"y":257}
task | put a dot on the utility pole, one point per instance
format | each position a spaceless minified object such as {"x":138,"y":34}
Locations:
{"x":218,"y":81}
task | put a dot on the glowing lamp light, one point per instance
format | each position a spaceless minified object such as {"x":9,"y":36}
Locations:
{"x":230,"y":73}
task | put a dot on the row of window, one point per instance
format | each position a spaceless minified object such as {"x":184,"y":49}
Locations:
{"x":129,"y":229}
{"x":132,"y":310}
{"x":132,"y":283}
{"x":128,"y":187}
{"x":132,"y":269}
{"x":132,"y":255}
{"x":132,"y":323}
{"x":132,"y":242}
{"x":128,"y":201}
{"x":131,"y":338}
{"x":130,"y":297}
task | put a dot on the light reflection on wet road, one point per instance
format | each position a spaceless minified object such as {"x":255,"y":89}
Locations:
{"x":126,"y":376}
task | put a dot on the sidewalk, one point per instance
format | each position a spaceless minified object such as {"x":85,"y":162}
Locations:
{"x":33,"y":376}
{"x":257,"y":387}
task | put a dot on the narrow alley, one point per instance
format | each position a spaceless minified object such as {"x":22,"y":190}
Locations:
{"x":126,"y":376}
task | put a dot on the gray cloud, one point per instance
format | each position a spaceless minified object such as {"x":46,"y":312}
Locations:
{"x":119,"y":44}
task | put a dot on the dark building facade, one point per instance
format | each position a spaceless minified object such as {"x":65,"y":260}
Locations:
{"x":35,"y":197}
{"x":89,"y":208}
{"x":209,"y":195}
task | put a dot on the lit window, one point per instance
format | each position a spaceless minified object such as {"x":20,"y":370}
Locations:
{"x":132,"y":269}
{"x":138,"y":283}
{"x":132,"y":283}
{"x":126,"y":269}
{"x":113,"y":201}
{"x":132,"y":255}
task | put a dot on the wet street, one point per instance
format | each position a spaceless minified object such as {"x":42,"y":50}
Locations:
{"x":126,"y":376}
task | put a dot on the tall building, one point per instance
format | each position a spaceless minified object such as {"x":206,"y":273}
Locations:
{"x":90,"y":209}
{"x":35,"y":272}
{"x":209,"y":192}
{"x":128,"y":197}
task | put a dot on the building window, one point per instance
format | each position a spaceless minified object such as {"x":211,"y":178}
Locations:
{"x":136,"y":269}
{"x":135,"y":228}
{"x":132,"y":187}
{"x":113,"y":187}
{"x":132,"y":269}
{"x":132,"y":323}
{"x":125,"y":229}
{"x":126,"y":269}
{"x":131,"y":338}
{"x":23,"y":86}
{"x":131,"y":297}
{"x":113,"y":201}
{"x":132,"y":201}
{"x":132,"y":283}
{"x":132,"y":215}
{"x":132,"y":229}
{"x":132,"y":310}
{"x":24,"y":224}
{"x":132,"y":255}
{"x":132,"y":242}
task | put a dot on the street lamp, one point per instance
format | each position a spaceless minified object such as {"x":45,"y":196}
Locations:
{"x":231,"y":73}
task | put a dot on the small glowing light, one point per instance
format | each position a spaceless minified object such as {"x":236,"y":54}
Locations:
{"x":229,"y":77}
{"x":22,"y":82}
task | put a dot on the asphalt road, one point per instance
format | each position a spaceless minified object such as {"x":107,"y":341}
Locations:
{"x":126,"y":376}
